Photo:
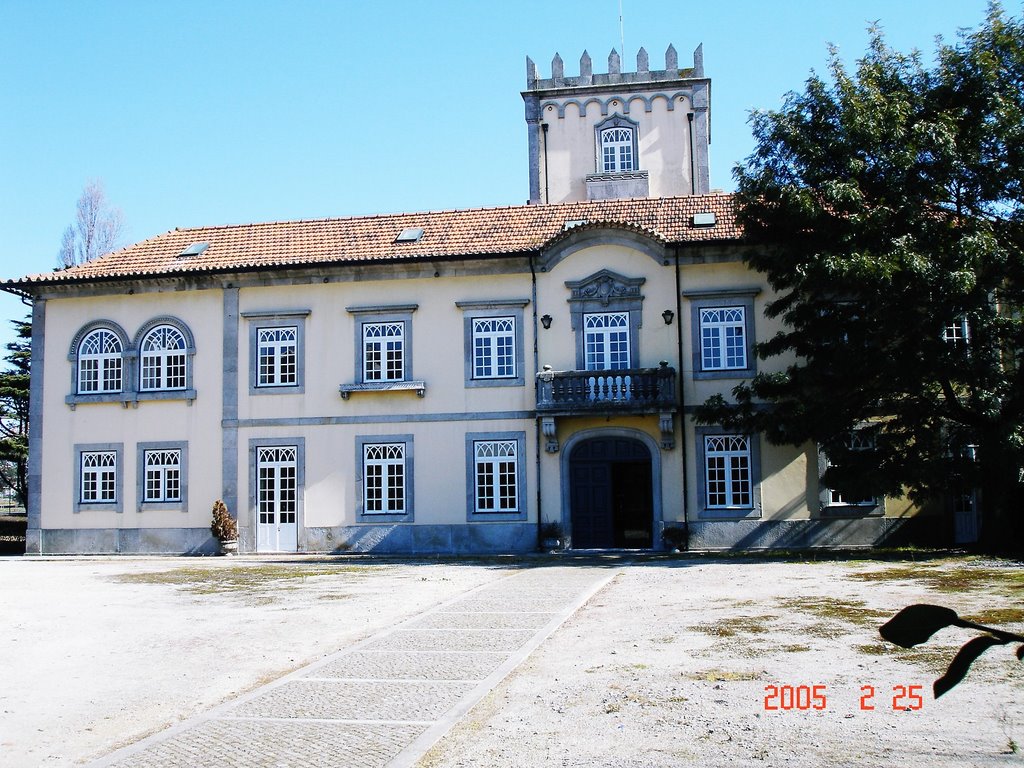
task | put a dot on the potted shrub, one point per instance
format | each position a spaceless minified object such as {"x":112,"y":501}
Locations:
{"x":674,"y":537}
{"x":224,"y":528}
{"x":551,"y":536}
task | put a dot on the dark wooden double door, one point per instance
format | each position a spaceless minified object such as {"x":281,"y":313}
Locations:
{"x":610,"y":494}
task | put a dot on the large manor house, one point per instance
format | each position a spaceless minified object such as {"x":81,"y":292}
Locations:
{"x":455,"y":381}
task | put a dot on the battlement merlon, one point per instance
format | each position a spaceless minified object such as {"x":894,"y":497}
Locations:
{"x":614,"y":76}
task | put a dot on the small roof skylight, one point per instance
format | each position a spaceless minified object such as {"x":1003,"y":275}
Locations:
{"x":409,"y":235}
{"x":193,"y":250}
{"x":704,"y":219}
{"x":574,"y":223}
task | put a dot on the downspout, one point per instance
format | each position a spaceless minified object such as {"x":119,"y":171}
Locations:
{"x":693,"y":175}
{"x":536,"y":368}
{"x":682,"y":402}
{"x":547,"y":194}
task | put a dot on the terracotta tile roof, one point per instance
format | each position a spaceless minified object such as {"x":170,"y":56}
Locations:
{"x":446,"y":234}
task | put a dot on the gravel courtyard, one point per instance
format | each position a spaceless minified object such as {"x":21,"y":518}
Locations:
{"x":676,"y":661}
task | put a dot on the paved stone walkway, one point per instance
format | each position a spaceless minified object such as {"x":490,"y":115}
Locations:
{"x":386,"y":700}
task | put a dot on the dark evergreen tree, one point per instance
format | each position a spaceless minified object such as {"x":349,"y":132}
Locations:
{"x":885,"y":205}
{"x":14,"y":389}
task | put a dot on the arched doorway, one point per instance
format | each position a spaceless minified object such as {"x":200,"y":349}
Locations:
{"x":610,"y":494}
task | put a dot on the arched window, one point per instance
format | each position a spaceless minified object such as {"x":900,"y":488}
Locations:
{"x":163,"y":359}
{"x":616,"y":140}
{"x":99,"y":362}
{"x":617,"y":150}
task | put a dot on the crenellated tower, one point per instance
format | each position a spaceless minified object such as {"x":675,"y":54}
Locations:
{"x":620,"y":134}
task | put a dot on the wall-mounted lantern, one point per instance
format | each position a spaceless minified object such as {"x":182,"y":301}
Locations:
{"x":668,"y":316}
{"x":545,"y":320}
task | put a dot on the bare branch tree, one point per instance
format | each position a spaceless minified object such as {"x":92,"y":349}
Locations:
{"x":97,"y":230}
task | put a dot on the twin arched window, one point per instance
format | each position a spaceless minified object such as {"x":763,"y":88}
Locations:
{"x":164,"y":362}
{"x":99,"y":362}
{"x":101,"y":356}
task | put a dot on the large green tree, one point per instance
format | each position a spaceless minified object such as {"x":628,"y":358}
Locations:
{"x":14,"y":390}
{"x":884,"y":203}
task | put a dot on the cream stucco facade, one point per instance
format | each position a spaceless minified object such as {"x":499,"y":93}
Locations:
{"x":438,"y":411}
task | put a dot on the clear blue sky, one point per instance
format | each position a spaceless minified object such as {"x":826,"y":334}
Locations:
{"x":214,"y":112}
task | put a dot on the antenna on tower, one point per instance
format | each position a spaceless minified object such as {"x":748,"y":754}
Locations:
{"x":622,"y":32}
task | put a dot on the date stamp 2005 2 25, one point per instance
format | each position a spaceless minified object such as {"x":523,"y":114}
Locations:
{"x":811,"y":698}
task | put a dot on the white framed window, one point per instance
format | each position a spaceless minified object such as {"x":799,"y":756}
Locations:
{"x":722,"y":332}
{"x":606,"y":341}
{"x":492,"y":337}
{"x":384,"y":488}
{"x":163,"y":359}
{"x":98,"y":480}
{"x":861,"y":439}
{"x":497,"y":475}
{"x":100,"y":363}
{"x":728,"y":480}
{"x":384,"y":351}
{"x":384,"y":479}
{"x":723,"y":342}
{"x":494,"y":348}
{"x":617,"y":147}
{"x":606,"y":313}
{"x":98,"y":477}
{"x":277,"y":353}
{"x":957,"y":332}
{"x":277,"y":495}
{"x":162,"y":475}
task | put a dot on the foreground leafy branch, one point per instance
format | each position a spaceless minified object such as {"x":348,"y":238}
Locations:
{"x":916,"y":624}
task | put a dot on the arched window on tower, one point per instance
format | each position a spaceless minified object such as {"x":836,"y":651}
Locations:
{"x":617,"y":150}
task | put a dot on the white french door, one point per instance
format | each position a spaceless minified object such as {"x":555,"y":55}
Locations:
{"x":606,"y":341}
{"x":277,"y":499}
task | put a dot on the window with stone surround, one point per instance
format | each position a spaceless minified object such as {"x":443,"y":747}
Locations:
{"x":728,"y":474}
{"x":98,"y":481}
{"x":617,"y":145}
{"x":162,"y":469}
{"x":385,"y":483}
{"x":100,"y":368}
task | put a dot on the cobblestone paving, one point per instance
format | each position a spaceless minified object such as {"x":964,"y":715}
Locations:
{"x":400,"y":665}
{"x":459,"y":620}
{"x":357,"y":700}
{"x":455,"y":640}
{"x":363,"y":706}
{"x":262,"y":744}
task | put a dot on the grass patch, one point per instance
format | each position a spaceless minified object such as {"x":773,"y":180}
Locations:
{"x":955,"y":576}
{"x":825,"y":630}
{"x":850,"y":611}
{"x":997,"y":616}
{"x":934,"y":660}
{"x":740,"y":625}
{"x":875,"y":649}
{"x":230,"y":579}
{"x":795,"y":648}
{"x":723,"y":676}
